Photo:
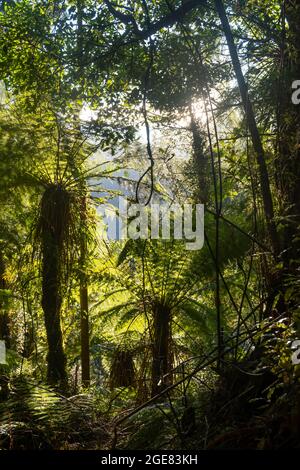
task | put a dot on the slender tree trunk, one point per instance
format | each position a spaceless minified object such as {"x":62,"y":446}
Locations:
{"x":253,"y":129}
{"x":79,"y":39}
{"x":4,"y":314}
{"x":85,"y":339}
{"x":84,"y":307}
{"x":289,"y":137}
{"x":161,"y":354}
{"x":4,"y":330}
{"x":29,"y":342}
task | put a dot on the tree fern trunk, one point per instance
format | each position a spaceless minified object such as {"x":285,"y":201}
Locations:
{"x":54,"y":220}
{"x":161,"y":359}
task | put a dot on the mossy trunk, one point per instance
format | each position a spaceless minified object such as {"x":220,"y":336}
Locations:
{"x":161,"y":354}
{"x":54,"y":219}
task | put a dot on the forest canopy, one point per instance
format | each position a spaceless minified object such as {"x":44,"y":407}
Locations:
{"x":149,"y":224}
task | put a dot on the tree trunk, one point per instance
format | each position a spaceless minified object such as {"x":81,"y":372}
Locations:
{"x":161,"y":354}
{"x":200,"y":162}
{"x":289,"y":139}
{"x":4,"y":314}
{"x":85,"y":340}
{"x":84,"y":308}
{"x":253,"y":129}
{"x":54,"y":219}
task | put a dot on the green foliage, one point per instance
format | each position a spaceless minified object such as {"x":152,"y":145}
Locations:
{"x":36,"y":417}
{"x":78,"y":86}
